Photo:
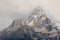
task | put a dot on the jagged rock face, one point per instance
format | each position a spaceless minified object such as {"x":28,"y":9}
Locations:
{"x":38,"y":19}
{"x":35,"y":17}
{"x":23,"y":32}
{"x":35,"y":24}
{"x":15,"y":25}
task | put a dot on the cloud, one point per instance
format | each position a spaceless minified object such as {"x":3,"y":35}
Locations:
{"x":10,"y":9}
{"x":4,"y":22}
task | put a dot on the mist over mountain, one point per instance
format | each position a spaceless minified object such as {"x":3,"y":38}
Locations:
{"x":32,"y":27}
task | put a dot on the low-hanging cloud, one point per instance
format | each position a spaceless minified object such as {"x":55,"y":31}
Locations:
{"x":11,"y":9}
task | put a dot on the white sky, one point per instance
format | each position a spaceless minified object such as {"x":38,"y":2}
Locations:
{"x":10,"y":9}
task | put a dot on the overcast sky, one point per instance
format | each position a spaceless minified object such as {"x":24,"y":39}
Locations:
{"x":11,"y":9}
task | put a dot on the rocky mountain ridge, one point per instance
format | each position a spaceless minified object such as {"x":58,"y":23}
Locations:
{"x":32,"y":27}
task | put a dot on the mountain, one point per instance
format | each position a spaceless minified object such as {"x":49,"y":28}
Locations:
{"x":33,"y":27}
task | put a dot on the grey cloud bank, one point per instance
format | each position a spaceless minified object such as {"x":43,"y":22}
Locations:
{"x":11,"y":9}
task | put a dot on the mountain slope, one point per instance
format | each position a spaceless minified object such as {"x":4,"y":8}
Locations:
{"x":33,"y":27}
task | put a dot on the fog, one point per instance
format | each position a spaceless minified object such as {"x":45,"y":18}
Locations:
{"x":12,"y":9}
